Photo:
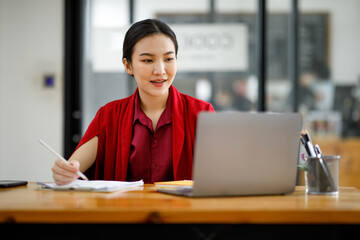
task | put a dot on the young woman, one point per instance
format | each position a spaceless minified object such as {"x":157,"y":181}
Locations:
{"x":149,"y":135}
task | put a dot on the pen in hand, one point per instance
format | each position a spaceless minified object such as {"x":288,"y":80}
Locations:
{"x":63,"y":159}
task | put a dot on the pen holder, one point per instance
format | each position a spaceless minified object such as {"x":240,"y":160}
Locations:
{"x":322,"y":174}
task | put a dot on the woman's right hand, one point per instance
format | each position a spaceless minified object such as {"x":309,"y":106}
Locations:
{"x":65,"y":173}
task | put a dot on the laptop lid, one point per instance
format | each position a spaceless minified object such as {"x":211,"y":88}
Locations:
{"x":240,"y":153}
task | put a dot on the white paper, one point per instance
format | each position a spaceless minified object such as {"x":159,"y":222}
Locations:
{"x":94,"y":186}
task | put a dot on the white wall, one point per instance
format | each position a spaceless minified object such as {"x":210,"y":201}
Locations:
{"x":31,"y":45}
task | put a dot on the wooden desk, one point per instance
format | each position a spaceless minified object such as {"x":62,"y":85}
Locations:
{"x":28,"y":205}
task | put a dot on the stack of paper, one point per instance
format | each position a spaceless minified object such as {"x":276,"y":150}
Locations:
{"x":93,"y":186}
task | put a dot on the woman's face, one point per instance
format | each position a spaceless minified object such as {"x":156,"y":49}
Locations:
{"x":153,"y":65}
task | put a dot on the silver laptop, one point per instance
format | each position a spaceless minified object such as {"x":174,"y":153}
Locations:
{"x":238,"y":153}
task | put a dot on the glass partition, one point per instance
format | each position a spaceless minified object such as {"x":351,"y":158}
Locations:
{"x":216,"y":60}
{"x":330,"y":67}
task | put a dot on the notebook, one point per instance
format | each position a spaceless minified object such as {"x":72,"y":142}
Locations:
{"x":238,"y":153}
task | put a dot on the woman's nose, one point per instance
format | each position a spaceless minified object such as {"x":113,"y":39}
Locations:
{"x":159,"y":68}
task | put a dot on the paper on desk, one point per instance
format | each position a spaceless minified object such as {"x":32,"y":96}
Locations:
{"x":93,"y":186}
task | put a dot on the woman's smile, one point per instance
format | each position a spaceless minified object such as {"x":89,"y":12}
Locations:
{"x":158,"y":82}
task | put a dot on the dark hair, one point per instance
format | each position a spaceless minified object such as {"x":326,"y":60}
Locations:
{"x":142,"y":29}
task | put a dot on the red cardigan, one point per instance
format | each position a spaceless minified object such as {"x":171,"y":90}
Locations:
{"x":113,"y":127}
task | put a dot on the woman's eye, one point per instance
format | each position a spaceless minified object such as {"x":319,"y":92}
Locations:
{"x":169,"y":59}
{"x":147,"y":60}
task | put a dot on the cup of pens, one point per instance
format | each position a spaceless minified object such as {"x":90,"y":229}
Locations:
{"x":322,"y":175}
{"x":321,"y":171}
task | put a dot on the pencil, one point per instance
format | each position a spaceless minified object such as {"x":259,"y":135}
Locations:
{"x":61,"y":157}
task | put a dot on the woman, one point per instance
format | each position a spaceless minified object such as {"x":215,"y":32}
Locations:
{"x":148,"y":135}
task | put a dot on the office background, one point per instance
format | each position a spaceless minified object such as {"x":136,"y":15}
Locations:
{"x":32,"y":67}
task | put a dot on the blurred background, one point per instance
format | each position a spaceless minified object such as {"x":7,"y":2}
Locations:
{"x":61,"y":60}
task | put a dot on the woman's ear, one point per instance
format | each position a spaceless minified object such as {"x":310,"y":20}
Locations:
{"x":127,"y":66}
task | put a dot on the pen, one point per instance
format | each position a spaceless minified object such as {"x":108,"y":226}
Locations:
{"x":306,"y":141}
{"x":63,"y":159}
{"x":317,"y":149}
{"x":311,"y":150}
{"x":325,"y":167}
{"x":306,"y":136}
